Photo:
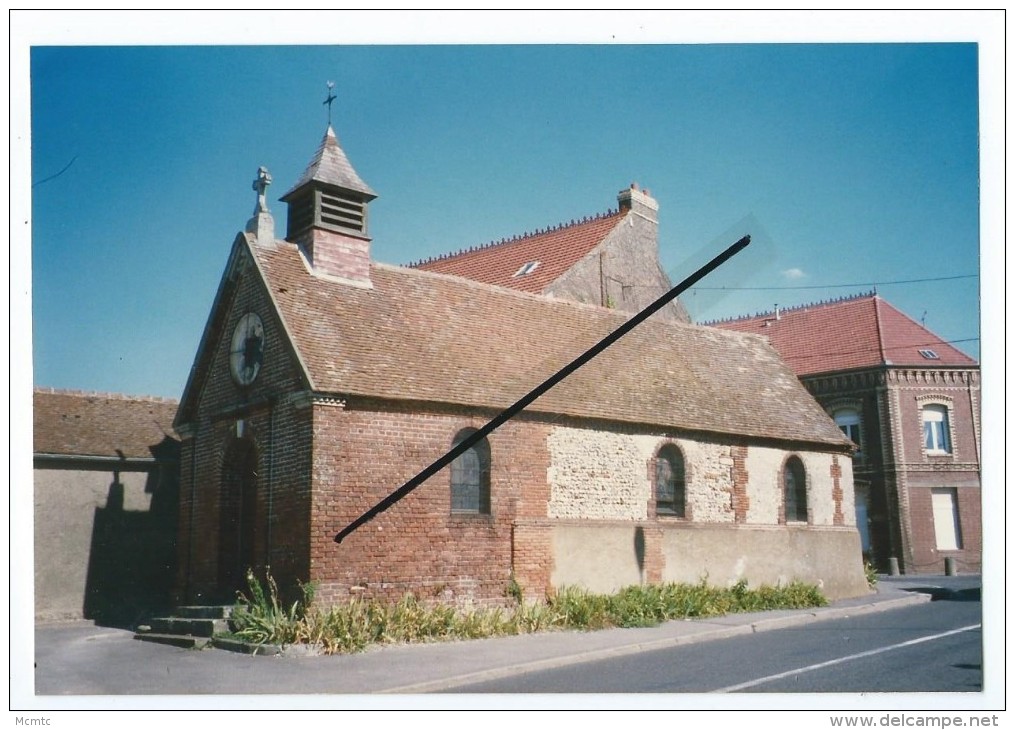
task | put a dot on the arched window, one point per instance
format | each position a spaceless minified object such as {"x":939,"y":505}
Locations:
{"x":794,"y":481}
{"x":670,"y":491}
{"x":470,"y":476}
{"x":936,"y":435}
{"x":848,"y":421}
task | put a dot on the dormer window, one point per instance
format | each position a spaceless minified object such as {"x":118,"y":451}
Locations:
{"x":527,"y":268}
{"x":929,"y":355}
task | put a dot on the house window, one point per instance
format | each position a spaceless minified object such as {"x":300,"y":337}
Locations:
{"x":936,"y":436}
{"x":794,"y":481}
{"x":527,"y":268}
{"x":945,"y":503}
{"x":848,"y":421}
{"x":670,"y":491}
{"x":470,"y":476}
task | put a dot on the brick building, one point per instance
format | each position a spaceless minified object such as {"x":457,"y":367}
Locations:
{"x":105,"y":478}
{"x":911,"y":403}
{"x":324,"y":381}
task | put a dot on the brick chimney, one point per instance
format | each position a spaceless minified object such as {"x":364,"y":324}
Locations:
{"x":328,"y":215}
{"x":640,"y":202}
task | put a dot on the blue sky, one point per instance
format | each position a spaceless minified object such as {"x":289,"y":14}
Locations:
{"x":852,"y":163}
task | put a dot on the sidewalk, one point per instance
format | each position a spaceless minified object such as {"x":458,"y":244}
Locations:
{"x":80,"y":658}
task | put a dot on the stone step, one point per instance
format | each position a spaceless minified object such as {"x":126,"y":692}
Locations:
{"x":244,"y":647}
{"x":185,"y":626}
{"x":184,"y":642}
{"x":203,"y":611}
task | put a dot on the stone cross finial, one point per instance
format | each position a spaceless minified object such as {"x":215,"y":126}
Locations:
{"x":261,"y":186}
{"x":261,"y":224}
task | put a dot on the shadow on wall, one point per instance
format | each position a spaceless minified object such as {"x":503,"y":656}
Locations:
{"x":639,"y":550}
{"x":132,"y":557}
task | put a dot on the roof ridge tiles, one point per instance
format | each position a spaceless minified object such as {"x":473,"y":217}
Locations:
{"x":47,"y":390}
{"x":608,"y":213}
{"x":794,"y":308}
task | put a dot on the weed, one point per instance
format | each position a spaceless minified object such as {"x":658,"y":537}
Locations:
{"x":514,"y":591}
{"x":262,"y":617}
{"x":871,"y":573}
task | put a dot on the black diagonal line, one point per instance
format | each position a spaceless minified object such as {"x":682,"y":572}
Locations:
{"x":526,"y":400}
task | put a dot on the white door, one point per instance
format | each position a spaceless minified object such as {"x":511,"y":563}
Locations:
{"x":946,"y":519}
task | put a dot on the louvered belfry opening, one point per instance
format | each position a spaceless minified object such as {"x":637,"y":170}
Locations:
{"x":343,"y":210}
{"x":329,"y":208}
{"x":301,"y":214}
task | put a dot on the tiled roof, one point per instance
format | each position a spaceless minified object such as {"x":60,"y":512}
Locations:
{"x":419,"y":336}
{"x":330,"y":165}
{"x":556,"y":250}
{"x":73,"y":423}
{"x":858,"y":332}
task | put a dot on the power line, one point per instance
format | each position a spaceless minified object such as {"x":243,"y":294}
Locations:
{"x":66,"y":167}
{"x":874,"y":284}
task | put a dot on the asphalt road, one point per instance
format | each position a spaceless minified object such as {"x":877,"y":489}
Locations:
{"x":930,"y":647}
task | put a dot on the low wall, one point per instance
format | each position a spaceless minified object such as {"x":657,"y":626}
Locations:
{"x":605,"y":557}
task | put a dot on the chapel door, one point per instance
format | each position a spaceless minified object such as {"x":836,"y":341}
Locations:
{"x":237,"y":516}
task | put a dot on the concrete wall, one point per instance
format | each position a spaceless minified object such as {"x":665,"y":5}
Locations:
{"x":103,"y":544}
{"x":605,"y":557}
{"x":826,"y":556}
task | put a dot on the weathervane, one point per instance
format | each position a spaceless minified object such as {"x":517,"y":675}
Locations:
{"x":331,"y":98}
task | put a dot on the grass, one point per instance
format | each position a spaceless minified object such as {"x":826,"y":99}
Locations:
{"x":262,"y":617}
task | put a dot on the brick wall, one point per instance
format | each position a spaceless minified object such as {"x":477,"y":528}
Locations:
{"x":927,"y":557}
{"x":337,"y":254}
{"x":265,"y":415}
{"x":366,"y":450}
{"x":921,"y":471}
{"x":895,"y":468}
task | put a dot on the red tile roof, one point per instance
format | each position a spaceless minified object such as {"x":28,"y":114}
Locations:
{"x":419,"y":336}
{"x":73,"y":423}
{"x":556,"y":250}
{"x":848,"y":334}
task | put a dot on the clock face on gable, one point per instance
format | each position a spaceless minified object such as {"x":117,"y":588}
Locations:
{"x":246,"y":352}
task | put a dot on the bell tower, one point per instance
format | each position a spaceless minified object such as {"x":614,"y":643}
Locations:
{"x":327,"y":215}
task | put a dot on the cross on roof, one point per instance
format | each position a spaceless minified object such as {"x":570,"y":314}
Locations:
{"x":330,"y":99}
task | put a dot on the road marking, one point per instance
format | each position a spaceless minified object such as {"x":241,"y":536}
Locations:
{"x":840,"y":660}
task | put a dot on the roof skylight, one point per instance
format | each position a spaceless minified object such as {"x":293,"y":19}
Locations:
{"x":527,"y":268}
{"x":929,"y":354}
